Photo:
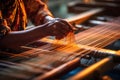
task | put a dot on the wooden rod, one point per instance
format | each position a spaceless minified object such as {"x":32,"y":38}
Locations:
{"x":79,"y":18}
{"x":94,"y":72}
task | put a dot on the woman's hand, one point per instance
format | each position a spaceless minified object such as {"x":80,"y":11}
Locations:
{"x":58,"y":27}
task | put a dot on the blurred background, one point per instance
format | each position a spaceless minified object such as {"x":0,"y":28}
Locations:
{"x":59,"y":7}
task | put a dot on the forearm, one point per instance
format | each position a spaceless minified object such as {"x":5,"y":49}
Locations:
{"x":19,"y":38}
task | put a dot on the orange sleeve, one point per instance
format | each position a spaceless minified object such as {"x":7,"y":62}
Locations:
{"x":36,"y":11}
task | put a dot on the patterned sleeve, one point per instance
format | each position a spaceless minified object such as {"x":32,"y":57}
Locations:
{"x":36,"y":10}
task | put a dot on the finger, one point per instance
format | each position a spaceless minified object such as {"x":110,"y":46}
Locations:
{"x":55,"y":29}
{"x":61,"y":23}
{"x":60,"y":31}
{"x":70,"y":26}
{"x":63,"y":26}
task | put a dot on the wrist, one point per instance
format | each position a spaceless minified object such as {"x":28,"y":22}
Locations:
{"x":47,"y":19}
